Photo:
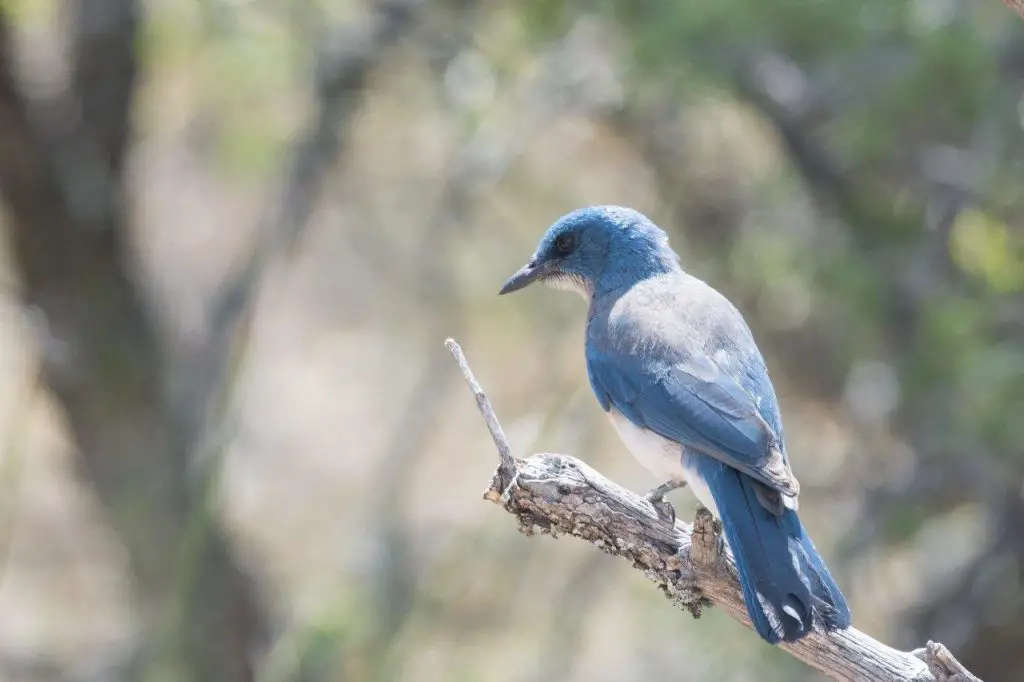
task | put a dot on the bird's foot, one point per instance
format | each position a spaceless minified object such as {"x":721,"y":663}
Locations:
{"x":662,"y":507}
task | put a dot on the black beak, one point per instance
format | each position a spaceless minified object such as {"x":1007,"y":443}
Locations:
{"x":527,"y":275}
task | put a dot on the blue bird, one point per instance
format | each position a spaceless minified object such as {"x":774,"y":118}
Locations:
{"x":676,"y":368}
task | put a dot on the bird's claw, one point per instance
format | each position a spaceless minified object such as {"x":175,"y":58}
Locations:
{"x":662,"y":507}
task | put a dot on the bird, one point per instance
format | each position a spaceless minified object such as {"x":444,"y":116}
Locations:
{"x":675,"y":366}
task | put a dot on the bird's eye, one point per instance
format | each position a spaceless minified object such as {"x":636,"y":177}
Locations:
{"x":564,"y":244}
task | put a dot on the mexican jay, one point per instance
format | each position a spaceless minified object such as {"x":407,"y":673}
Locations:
{"x":675,"y":367}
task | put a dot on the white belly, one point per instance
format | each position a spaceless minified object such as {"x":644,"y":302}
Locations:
{"x":697,"y":484}
{"x":662,"y":457}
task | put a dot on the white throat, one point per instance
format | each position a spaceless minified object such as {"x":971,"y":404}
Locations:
{"x":573,"y":283}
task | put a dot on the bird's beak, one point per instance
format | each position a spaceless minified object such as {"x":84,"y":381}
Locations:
{"x":527,"y":275}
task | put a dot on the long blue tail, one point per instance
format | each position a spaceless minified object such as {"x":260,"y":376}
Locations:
{"x":786,"y":585}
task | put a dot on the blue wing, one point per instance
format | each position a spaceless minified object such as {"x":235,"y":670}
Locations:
{"x":695,"y":403}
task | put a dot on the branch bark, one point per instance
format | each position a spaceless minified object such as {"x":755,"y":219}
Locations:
{"x":557,"y":494}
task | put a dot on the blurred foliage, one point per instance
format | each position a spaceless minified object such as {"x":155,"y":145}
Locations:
{"x":987,"y":249}
{"x":848,"y":173}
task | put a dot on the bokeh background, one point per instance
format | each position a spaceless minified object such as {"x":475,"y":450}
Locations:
{"x":236,"y":233}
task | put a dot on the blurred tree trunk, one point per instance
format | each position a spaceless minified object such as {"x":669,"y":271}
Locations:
{"x":142,"y":417}
{"x":101,"y":357}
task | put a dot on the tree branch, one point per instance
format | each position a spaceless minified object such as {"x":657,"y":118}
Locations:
{"x":346,"y":61}
{"x":507,"y":468}
{"x":558,"y":494}
{"x":342,"y":71}
{"x":105,"y":71}
{"x":1016,"y":5}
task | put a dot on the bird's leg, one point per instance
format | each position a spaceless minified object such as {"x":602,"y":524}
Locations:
{"x":656,"y":496}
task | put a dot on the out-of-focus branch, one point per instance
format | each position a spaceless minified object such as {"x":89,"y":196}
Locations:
{"x":712,"y":225}
{"x":1016,"y":5}
{"x":105,"y":73}
{"x":557,"y":494}
{"x":347,"y":59}
{"x":792,"y":118}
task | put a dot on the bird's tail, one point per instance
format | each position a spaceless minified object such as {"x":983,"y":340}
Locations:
{"x":786,"y":585}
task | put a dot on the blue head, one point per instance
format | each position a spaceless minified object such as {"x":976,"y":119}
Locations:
{"x":595,"y":249}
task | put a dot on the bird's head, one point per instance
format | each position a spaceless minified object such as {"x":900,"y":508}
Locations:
{"x":598,"y":247}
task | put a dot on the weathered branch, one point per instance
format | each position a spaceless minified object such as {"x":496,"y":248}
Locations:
{"x":507,"y":468}
{"x":557,"y":494}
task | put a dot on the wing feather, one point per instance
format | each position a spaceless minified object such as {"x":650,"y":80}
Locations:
{"x":695,"y":403}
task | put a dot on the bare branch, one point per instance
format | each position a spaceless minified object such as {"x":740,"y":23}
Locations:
{"x":507,"y":468}
{"x":943,"y":665}
{"x":556,"y":494}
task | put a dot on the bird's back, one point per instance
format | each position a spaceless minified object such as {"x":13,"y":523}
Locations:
{"x":673,"y":317}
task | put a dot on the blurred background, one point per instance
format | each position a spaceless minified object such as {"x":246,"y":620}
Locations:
{"x":236,"y":233}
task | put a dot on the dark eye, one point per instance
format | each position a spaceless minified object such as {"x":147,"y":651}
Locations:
{"x":564,"y":244}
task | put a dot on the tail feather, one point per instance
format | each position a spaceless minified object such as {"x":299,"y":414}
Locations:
{"x":786,"y":586}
